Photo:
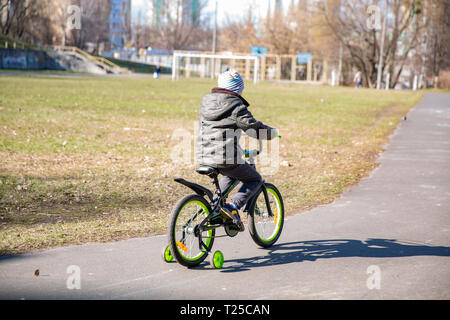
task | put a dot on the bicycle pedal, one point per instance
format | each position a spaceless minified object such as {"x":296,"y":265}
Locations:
{"x":240,"y":227}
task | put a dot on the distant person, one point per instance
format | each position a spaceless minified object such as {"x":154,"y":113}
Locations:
{"x":302,"y":73}
{"x":358,"y":79}
{"x":157,"y":73}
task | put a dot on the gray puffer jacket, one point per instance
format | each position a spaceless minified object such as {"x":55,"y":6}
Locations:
{"x":223,"y":117}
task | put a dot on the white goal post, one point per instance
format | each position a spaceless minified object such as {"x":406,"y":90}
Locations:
{"x":214,"y":57}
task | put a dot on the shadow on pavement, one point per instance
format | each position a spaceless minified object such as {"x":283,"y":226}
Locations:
{"x":292,"y":252}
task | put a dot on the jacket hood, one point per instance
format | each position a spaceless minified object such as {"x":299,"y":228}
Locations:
{"x":226,"y":91}
{"x":220,"y":103}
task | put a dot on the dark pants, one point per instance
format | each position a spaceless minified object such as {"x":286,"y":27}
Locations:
{"x":245,"y":173}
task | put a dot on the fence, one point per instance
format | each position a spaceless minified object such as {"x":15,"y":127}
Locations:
{"x":256,"y":68}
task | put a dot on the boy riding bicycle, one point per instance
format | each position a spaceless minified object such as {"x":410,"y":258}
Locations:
{"x":224,"y":115}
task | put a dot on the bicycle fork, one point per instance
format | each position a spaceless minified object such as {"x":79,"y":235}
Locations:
{"x":266,"y":198}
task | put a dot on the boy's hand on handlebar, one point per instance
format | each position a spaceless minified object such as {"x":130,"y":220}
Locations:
{"x":251,"y":153}
{"x":277,"y":134}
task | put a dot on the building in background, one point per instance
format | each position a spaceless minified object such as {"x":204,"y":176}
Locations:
{"x":159,"y":13}
{"x":279,"y":6}
{"x":119,"y":23}
{"x":191,"y":10}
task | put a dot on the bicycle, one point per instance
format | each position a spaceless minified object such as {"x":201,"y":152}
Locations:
{"x":195,"y":218}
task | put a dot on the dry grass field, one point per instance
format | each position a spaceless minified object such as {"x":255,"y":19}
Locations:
{"x":87,"y":159}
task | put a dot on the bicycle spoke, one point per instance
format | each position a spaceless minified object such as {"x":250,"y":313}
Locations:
{"x":266,"y":224}
{"x":189,"y":217}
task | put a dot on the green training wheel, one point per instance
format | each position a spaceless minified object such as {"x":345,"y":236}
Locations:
{"x":167,"y":254}
{"x":216,"y":260}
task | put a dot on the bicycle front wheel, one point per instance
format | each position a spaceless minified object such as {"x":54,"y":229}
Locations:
{"x":187,"y":214}
{"x":264,"y":228}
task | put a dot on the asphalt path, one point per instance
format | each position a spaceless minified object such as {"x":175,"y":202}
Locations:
{"x":386,"y":238}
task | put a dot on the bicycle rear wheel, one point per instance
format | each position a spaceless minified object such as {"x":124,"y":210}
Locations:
{"x":187,"y":214}
{"x":264,"y":228}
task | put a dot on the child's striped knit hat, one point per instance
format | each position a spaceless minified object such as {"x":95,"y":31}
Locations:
{"x":231,"y":80}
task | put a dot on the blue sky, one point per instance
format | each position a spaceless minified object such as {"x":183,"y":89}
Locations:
{"x":234,"y":9}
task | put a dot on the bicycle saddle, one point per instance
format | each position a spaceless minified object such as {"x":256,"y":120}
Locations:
{"x":206,"y":170}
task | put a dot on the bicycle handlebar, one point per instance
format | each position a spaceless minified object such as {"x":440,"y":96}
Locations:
{"x":253,"y":153}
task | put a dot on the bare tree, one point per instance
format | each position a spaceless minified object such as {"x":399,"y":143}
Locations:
{"x":94,"y":22}
{"x":239,"y":36}
{"x":180,"y":25}
{"x":14,"y":15}
{"x":44,"y":22}
{"x":288,"y":34}
{"x":437,"y":38}
{"x":280,"y":33}
{"x":349,"y":26}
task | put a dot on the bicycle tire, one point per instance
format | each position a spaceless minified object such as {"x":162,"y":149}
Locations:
{"x":174,"y":242}
{"x":270,"y":240}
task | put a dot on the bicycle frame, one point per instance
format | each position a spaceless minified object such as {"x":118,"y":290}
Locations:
{"x":217,"y":201}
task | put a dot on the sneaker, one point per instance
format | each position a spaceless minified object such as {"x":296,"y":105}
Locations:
{"x":231,"y":212}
